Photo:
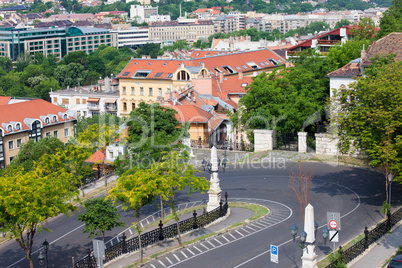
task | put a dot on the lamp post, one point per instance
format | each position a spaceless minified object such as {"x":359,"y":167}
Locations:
{"x":45,"y":246}
{"x":213,"y":168}
{"x":390,"y":179}
{"x":41,"y":259}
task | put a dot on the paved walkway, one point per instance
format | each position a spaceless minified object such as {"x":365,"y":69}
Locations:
{"x":379,"y":253}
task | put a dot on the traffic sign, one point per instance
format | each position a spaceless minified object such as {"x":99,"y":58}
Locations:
{"x":334,"y":216}
{"x":333,"y":236}
{"x":333,"y":224}
{"x":274,"y":254}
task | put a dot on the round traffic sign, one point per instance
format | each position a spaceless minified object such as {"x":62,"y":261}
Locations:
{"x":333,"y":224}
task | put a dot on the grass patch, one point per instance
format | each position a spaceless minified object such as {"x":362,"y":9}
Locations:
{"x":258,"y":210}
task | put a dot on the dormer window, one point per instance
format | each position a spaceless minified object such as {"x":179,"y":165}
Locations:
{"x":54,"y":118}
{"x":65,"y":116}
{"x":18,"y":126}
{"x":47,"y":120}
{"x":9,"y":128}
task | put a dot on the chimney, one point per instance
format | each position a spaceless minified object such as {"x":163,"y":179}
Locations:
{"x":240,"y":75}
{"x":107,"y":84}
{"x":144,"y":56}
{"x":363,"y":53}
{"x":220,"y":77}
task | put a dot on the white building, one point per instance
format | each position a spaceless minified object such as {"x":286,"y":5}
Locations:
{"x":142,"y":13}
{"x":90,"y":100}
{"x":132,"y":36}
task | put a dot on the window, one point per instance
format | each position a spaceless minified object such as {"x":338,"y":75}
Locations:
{"x":141,"y":91}
{"x":47,"y":120}
{"x":150,"y":91}
{"x":77,"y":101}
{"x":132,"y":91}
{"x":141,"y":74}
{"x":228,"y":69}
{"x":54,"y":100}
{"x":273,"y":61}
{"x":11,"y":145}
{"x":124,"y":91}
{"x":158,"y":74}
{"x":47,"y":134}
{"x":66,"y":132}
{"x":125,"y":106}
{"x":54,"y":118}
{"x":84,"y":101}
{"x":9,"y":128}
{"x":19,"y":141}
{"x":55,"y":134}
{"x":18,"y":126}
{"x":159,"y":92}
{"x":132,"y":106}
{"x":65,"y":101}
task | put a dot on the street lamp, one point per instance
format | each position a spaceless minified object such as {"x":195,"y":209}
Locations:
{"x":45,"y":246}
{"x":41,"y":258}
{"x":390,"y":178}
{"x":303,"y":234}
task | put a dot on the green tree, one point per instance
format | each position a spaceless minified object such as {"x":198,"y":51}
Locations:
{"x":341,"y":23}
{"x":70,"y":75}
{"x":32,"y":151}
{"x":152,"y":129}
{"x":6,"y":64}
{"x":79,"y":57}
{"x":376,"y":99}
{"x":150,"y":49}
{"x":341,"y":54}
{"x":135,"y":189}
{"x":100,"y":216}
{"x":99,"y":136}
{"x":365,"y":30}
{"x":102,"y":118}
{"x":174,"y":175}
{"x":28,"y":199}
{"x":391,"y":21}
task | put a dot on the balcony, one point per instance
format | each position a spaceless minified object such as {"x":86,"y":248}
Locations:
{"x":111,"y":107}
{"x":328,"y":42}
{"x":93,"y":107}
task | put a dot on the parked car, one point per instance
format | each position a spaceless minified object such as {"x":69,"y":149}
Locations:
{"x":396,"y":262}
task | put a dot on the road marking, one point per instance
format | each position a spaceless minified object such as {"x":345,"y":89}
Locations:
{"x":184,"y":254}
{"x":245,"y":230}
{"x":233,"y":236}
{"x":225,"y":238}
{"x":153,"y":265}
{"x":197,"y":248}
{"x":191,"y":251}
{"x":177,"y":258}
{"x":211,"y":244}
{"x":250,"y":228}
{"x":258,"y":223}
{"x":204,"y":246}
{"x":169,"y":260}
{"x":239,"y":233}
{"x":218,"y":241}
{"x":131,"y":232}
{"x":162,"y":263}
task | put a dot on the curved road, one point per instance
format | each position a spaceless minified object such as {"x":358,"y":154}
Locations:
{"x":354,"y":192}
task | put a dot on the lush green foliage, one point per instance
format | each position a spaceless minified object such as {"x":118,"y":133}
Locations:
{"x":287,"y":100}
{"x":341,"y":23}
{"x":27,"y":199}
{"x":32,"y":151}
{"x":152,"y":129}
{"x":341,"y":54}
{"x":391,"y":20}
{"x":100,"y":119}
{"x":376,"y":99}
{"x":100,"y":216}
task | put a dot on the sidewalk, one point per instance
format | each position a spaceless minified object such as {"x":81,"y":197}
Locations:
{"x":379,"y":253}
{"x":235,"y":215}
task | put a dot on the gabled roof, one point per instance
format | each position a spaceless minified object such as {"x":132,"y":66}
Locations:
{"x":190,"y":113}
{"x":26,"y":112}
{"x":350,"y":70}
{"x":390,"y":44}
{"x":4,"y":100}
{"x":97,"y":158}
{"x":234,"y":85}
{"x":162,"y":69}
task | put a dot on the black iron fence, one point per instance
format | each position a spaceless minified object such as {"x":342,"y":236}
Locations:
{"x":369,"y":238}
{"x":156,"y":235}
{"x":285,"y":141}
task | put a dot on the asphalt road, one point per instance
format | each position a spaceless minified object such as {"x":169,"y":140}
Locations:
{"x":356,"y":193}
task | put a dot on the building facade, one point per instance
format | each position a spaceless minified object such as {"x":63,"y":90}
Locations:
{"x":57,"y":41}
{"x":33,"y":119}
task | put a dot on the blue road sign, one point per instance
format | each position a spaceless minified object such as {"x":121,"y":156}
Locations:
{"x":274,"y":250}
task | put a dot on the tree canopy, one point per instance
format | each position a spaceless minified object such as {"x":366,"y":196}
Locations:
{"x":391,"y":21}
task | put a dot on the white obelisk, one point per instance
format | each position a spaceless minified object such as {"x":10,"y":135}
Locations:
{"x":309,"y":258}
{"x":214,"y":190}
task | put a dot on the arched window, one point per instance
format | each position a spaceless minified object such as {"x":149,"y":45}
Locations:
{"x":36,"y":130}
{"x":204,"y":73}
{"x":47,"y":120}
{"x":54,"y":118}
{"x":18,"y":126}
{"x":183,"y":75}
{"x":65,"y":116}
{"x":9,"y":128}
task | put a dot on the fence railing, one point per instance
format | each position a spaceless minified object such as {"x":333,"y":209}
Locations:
{"x":285,"y":141}
{"x":369,"y":238}
{"x":156,"y":235}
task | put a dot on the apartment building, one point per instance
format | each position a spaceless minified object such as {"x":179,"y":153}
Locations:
{"x":229,"y":23}
{"x":142,"y":13}
{"x":132,"y":36}
{"x":174,"y":30}
{"x":58,"y":41}
{"x":32,"y":119}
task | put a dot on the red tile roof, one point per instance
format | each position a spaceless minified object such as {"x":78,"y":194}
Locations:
{"x":4,"y":100}
{"x":350,"y":70}
{"x":97,"y":158}
{"x":234,"y":85}
{"x":190,"y":113}
{"x":33,"y":109}
{"x":162,"y":69}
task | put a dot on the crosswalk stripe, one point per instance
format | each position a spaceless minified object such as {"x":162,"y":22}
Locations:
{"x":177,"y":258}
{"x":197,"y":248}
{"x":190,"y":251}
{"x":169,"y":260}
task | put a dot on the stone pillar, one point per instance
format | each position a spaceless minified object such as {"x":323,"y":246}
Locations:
{"x":309,"y":258}
{"x":215,"y":191}
{"x":302,"y":142}
{"x":326,"y":144}
{"x":263,"y":140}
{"x":187,"y":142}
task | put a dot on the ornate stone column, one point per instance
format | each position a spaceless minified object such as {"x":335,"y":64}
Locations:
{"x":309,"y":258}
{"x":215,"y":190}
